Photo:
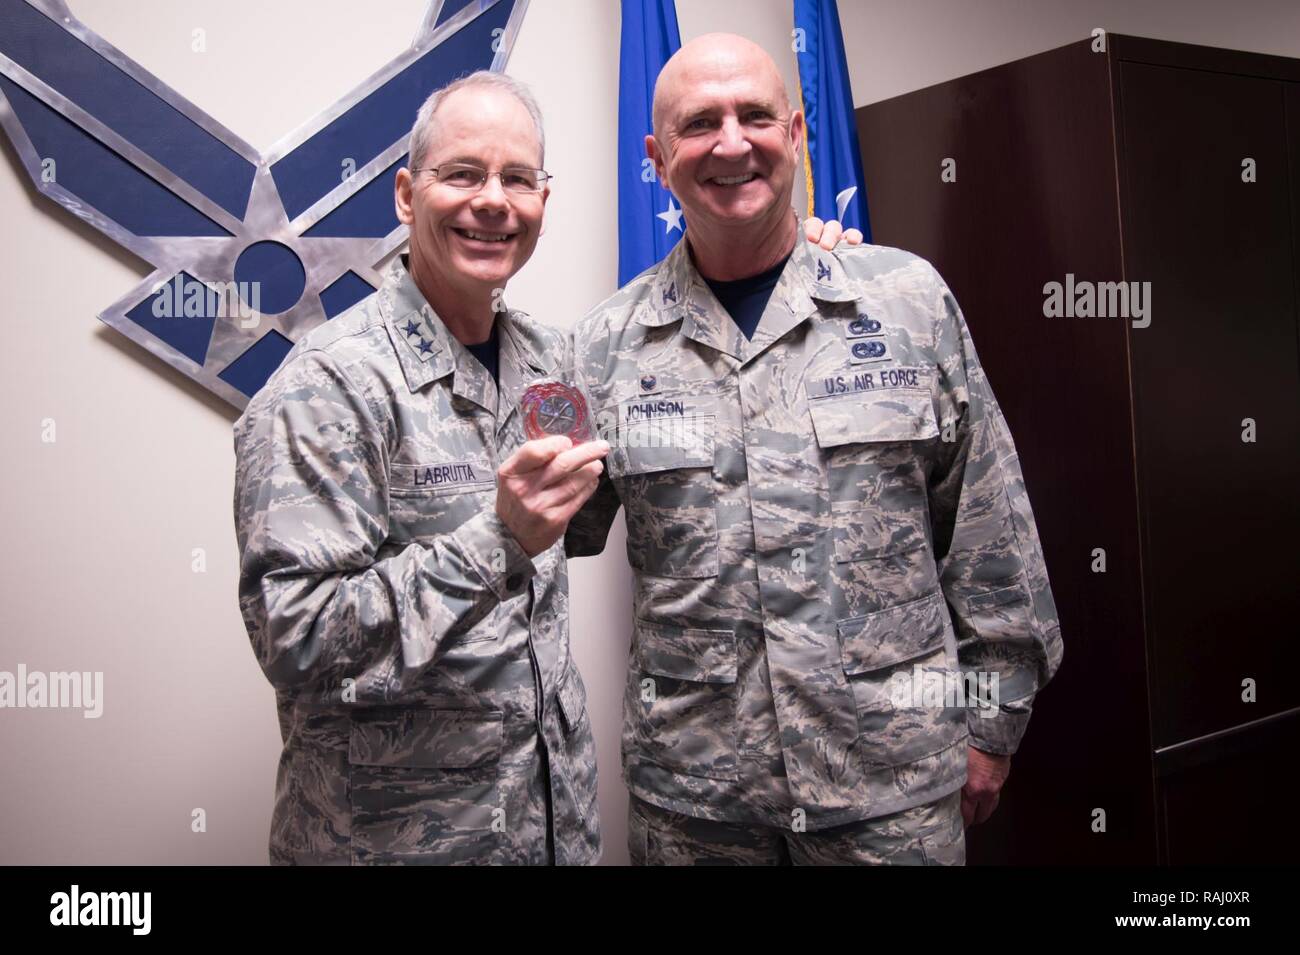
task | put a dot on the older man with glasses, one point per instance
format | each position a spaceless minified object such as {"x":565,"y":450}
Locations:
{"x":402,"y":567}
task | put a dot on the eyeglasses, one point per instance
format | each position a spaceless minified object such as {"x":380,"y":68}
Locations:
{"x":471,"y":177}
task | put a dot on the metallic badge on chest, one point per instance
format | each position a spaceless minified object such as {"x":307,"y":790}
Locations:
{"x":863,"y":325}
{"x":872,"y":350}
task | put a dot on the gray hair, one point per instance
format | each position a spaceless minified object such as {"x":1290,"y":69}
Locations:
{"x":422,"y":131}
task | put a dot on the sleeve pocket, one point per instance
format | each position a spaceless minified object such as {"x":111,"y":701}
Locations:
{"x":1003,"y":614}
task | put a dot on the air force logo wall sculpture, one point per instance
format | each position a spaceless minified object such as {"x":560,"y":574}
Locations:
{"x":249,"y":250}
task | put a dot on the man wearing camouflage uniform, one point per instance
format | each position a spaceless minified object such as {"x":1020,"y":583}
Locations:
{"x":825,"y":513}
{"x":402,"y":576}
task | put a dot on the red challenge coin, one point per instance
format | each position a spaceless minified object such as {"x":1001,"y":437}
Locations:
{"x":555,"y":408}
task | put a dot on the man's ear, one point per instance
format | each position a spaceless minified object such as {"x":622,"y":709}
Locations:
{"x":402,"y":187}
{"x":546,"y":194}
{"x":797,"y":132}
{"x":657,"y":157}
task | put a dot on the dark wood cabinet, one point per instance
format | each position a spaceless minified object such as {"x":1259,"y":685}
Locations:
{"x":1127,"y":166}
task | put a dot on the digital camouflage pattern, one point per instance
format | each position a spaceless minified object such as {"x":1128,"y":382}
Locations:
{"x":428,"y":700}
{"x":812,"y":515}
{"x":929,"y":834}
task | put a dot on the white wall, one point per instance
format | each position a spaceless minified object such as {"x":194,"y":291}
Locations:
{"x":100,"y":525}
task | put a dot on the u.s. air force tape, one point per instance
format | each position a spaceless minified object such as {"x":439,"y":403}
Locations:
{"x":553,"y":407}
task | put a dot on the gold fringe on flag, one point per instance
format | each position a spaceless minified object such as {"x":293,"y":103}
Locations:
{"x":807,"y":159}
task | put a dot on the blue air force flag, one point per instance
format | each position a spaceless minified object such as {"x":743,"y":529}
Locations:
{"x":649,"y":219}
{"x":832,"y":163}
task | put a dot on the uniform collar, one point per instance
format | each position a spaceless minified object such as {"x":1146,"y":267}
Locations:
{"x":671,"y":291}
{"x":819,"y":272}
{"x":522,"y":359}
{"x":421,"y":340}
{"x":679,"y":293}
{"x":427,"y":351}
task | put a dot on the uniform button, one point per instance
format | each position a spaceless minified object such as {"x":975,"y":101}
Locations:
{"x":514,"y":581}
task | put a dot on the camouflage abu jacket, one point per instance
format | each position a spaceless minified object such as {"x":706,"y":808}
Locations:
{"x":427,"y":697}
{"x":827,"y":525}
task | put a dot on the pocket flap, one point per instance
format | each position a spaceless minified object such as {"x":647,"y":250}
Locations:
{"x":662,"y":444}
{"x":891,"y":414}
{"x":892,"y":635}
{"x":685,"y":653}
{"x":1003,"y":615}
{"x":447,"y":739}
{"x":1015,"y":594}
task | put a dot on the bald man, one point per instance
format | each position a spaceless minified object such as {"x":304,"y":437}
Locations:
{"x":825,"y":513}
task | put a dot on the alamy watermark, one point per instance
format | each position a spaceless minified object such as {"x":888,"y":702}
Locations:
{"x":34,"y":689}
{"x":1084,"y":299}
{"x":940,"y":689}
{"x":675,"y":427}
{"x":185,"y":297}
{"x":75,"y":907}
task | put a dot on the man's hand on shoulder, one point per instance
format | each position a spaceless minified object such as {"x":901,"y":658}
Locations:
{"x":829,"y":234}
{"x":543,"y":484}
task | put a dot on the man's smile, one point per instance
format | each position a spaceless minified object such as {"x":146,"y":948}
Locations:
{"x":482,"y":238}
{"x":731,"y":181}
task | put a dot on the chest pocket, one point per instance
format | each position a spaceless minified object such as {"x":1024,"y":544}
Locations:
{"x":871,"y":415}
{"x":425,"y":500}
{"x":873,"y":452}
{"x":663,"y":469}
